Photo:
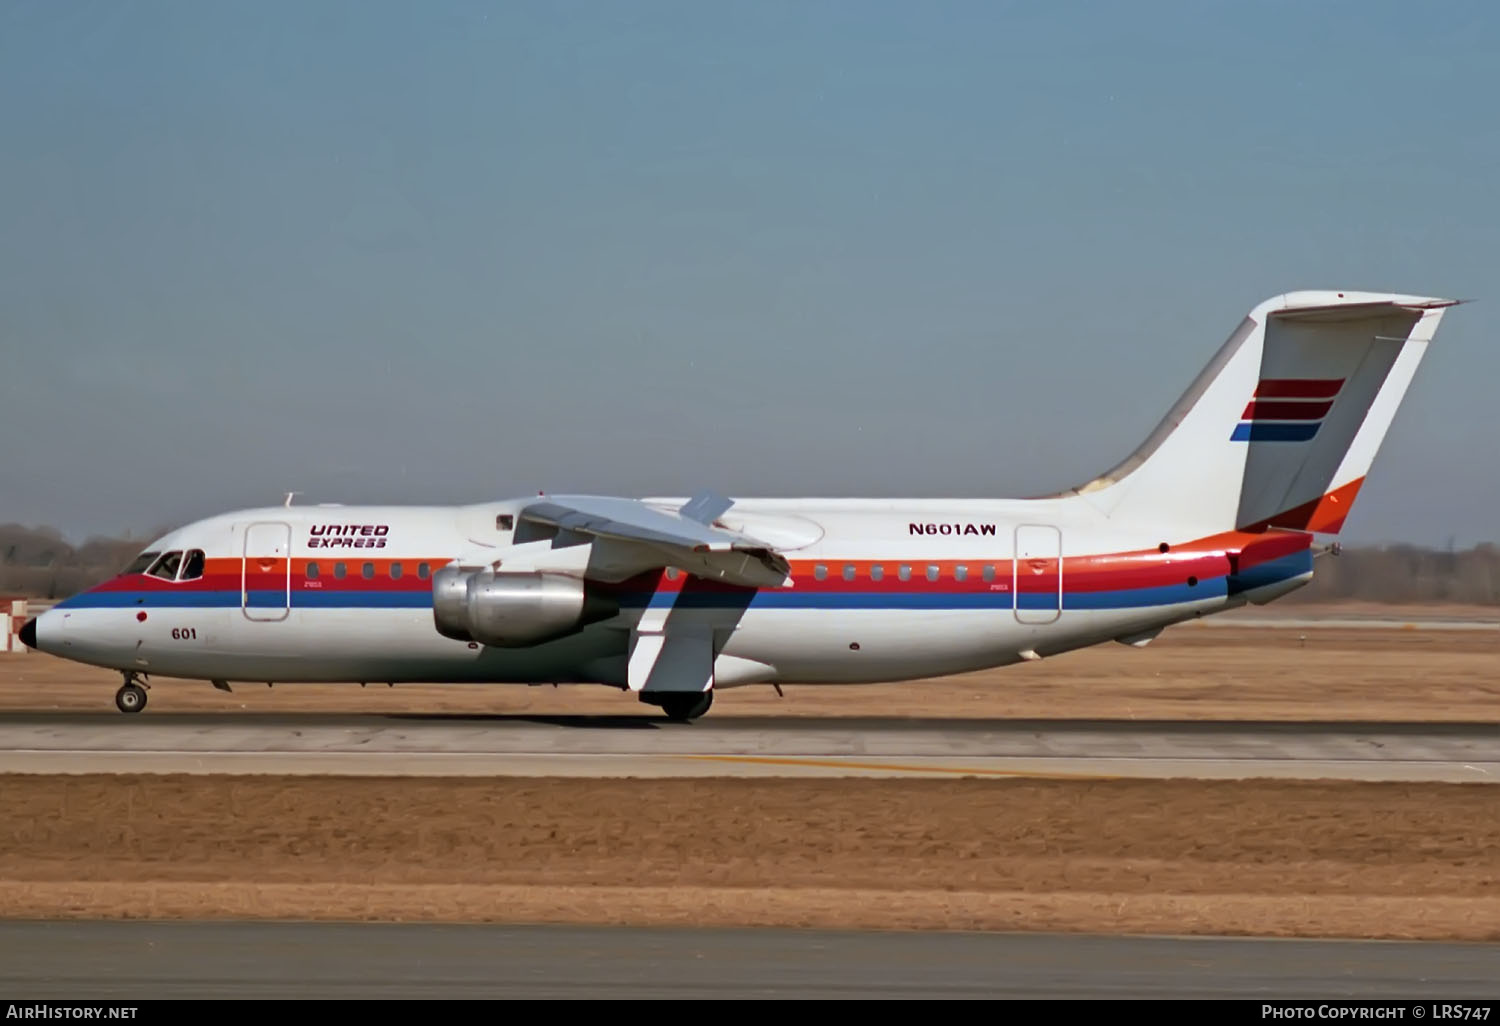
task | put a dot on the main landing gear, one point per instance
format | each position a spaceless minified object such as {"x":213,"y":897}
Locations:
{"x":681,"y":706}
{"x":131,"y":698}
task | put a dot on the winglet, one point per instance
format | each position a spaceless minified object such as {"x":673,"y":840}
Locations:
{"x":705,"y":507}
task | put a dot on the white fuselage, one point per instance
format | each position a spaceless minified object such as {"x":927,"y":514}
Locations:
{"x":879,"y":591}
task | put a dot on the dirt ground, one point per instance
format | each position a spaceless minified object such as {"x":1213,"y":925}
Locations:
{"x":1190,"y":672}
{"x":1277,"y":858}
{"x":1274,"y":858}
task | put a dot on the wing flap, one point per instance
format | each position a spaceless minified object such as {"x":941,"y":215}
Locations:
{"x":686,"y":539}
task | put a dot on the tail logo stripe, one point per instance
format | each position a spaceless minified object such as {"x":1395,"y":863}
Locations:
{"x":1262,"y":431}
{"x":1286,"y":409}
{"x":1298,"y":388}
{"x":1280,"y":409}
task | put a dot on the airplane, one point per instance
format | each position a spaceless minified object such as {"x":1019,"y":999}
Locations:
{"x":1227,"y":502}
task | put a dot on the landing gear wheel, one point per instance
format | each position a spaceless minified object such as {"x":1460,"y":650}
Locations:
{"x":680,"y":708}
{"x":131,"y":698}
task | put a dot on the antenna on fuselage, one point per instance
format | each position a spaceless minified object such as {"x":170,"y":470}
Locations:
{"x":288,"y":501}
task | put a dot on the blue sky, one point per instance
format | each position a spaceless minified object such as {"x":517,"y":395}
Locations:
{"x":447,"y":252}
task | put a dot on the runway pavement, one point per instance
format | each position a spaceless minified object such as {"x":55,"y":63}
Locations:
{"x":123,"y":960}
{"x":648,"y":746}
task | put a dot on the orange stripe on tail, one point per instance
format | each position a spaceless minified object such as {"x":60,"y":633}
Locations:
{"x":1323,"y":516}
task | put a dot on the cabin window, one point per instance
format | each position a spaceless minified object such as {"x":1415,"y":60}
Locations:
{"x":505,"y":522}
{"x":144,"y":560}
{"x":166,"y":566}
{"x":989,"y":571}
{"x":820,"y":572}
{"x":960,"y":573}
{"x":848,"y":571}
{"x":339,"y":570}
{"x":932,"y":571}
{"x":192,"y":567}
{"x":367,"y":571}
{"x":395,"y":571}
{"x":423,"y":571}
{"x":312,"y":571}
{"x":877,"y":572}
{"x":904,"y":573}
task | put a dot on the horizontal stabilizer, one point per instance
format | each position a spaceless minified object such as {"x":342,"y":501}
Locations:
{"x":1337,"y":312}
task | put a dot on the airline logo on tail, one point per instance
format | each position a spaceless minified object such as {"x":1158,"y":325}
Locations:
{"x":1287,"y":409}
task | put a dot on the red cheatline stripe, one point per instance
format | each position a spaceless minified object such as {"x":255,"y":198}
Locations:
{"x":1298,"y":388}
{"x":1279,"y":409}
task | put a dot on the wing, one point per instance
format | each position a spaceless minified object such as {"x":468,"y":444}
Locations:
{"x":685,"y":538}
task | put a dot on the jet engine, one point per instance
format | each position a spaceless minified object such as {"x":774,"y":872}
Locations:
{"x":513,"y":610}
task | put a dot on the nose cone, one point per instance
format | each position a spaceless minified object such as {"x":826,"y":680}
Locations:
{"x":28,"y":633}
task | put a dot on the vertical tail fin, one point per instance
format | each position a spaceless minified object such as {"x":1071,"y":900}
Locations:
{"x":1280,"y":429}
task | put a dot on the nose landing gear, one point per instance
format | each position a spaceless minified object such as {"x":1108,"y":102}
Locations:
{"x":131,"y":698}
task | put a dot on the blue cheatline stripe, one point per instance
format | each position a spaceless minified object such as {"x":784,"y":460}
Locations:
{"x":1274,"y":572}
{"x":1259,"y":432}
{"x":1171,"y":595}
{"x":356,"y":599}
{"x":995,"y":601}
{"x":256,"y":600}
{"x":998,"y":600}
{"x":151,"y":600}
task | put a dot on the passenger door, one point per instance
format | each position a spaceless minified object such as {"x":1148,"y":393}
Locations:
{"x":1037,"y":573}
{"x":266,"y":571}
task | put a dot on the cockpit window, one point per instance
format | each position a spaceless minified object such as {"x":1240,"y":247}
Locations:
{"x":192,"y":566}
{"x":142,"y":561}
{"x":166,"y":566}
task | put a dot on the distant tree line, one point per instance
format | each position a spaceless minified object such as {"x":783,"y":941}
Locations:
{"x":1406,"y":573}
{"x":37,"y":562}
{"x":40,"y":563}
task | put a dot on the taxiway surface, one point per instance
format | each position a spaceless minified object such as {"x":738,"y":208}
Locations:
{"x":83,"y":960}
{"x":647,"y":746}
